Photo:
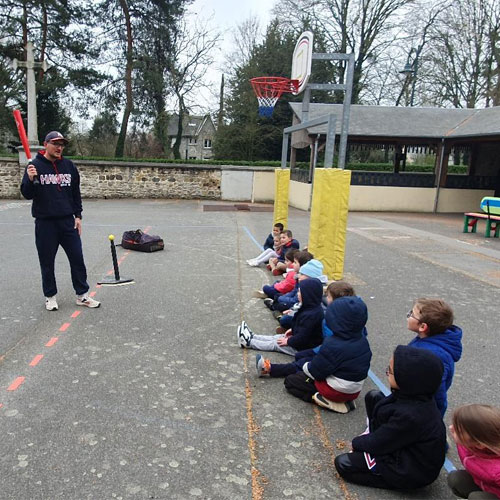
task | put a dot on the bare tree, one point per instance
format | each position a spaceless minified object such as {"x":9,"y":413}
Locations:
{"x":460,"y":55}
{"x":364,"y":27}
{"x":193,"y":53}
{"x":245,"y":38}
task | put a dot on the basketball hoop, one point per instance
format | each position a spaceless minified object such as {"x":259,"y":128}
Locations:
{"x":268,"y":90}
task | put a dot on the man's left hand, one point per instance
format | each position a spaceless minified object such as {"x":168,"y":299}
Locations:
{"x":78,"y":225}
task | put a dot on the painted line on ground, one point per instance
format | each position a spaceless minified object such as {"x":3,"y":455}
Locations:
{"x":75,"y":314}
{"x":64,"y":327}
{"x":448,"y":465}
{"x":36,"y":360}
{"x":250,"y":235}
{"x":52,"y":341}
{"x":16,"y":384}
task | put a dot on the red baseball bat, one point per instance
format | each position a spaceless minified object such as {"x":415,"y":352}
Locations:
{"x":24,"y":139}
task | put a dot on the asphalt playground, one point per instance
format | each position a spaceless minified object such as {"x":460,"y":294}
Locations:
{"x":150,"y":397}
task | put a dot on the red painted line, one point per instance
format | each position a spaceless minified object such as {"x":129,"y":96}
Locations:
{"x":109,"y":273}
{"x":92,"y":294}
{"x":64,"y":327}
{"x":98,"y":286}
{"x":52,"y":341}
{"x":16,"y":384}
{"x":1,"y":405}
{"x":36,"y":359}
{"x":75,"y":314}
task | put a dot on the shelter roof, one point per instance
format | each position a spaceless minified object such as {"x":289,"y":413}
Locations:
{"x":414,"y":122}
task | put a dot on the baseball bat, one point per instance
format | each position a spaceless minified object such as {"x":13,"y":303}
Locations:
{"x":24,"y":139}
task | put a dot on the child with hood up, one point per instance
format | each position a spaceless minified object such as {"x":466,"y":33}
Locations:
{"x":305,"y":332}
{"x":404,"y":445}
{"x":334,"y":377}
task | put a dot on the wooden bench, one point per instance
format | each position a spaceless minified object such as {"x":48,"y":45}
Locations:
{"x":492,"y":223}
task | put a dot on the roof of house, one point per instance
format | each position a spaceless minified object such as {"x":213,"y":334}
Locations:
{"x":416,"y":122}
{"x":191,"y":125}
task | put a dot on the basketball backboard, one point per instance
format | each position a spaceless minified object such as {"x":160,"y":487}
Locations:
{"x":302,"y":59}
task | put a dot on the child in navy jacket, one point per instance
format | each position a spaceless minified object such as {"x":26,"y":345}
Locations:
{"x":404,"y":445}
{"x":334,"y":377}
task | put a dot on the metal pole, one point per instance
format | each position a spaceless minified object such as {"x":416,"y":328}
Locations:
{"x":305,"y":104}
{"x":330,"y":142}
{"x":346,"y":111}
{"x":441,"y":161}
{"x":284,"y":150}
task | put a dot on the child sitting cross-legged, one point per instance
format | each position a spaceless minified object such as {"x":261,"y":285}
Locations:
{"x":476,"y":431}
{"x":306,"y":325}
{"x":264,"y":366}
{"x":277,"y":264}
{"x":404,"y":445}
{"x":334,"y":377}
{"x":283,"y":286}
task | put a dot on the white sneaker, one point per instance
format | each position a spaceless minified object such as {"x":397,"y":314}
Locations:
{"x":51,"y":303}
{"x":87,"y":301}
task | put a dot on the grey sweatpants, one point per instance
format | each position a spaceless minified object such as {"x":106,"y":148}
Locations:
{"x":270,"y":343}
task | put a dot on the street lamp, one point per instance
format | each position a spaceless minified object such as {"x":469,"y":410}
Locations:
{"x":410,"y":69}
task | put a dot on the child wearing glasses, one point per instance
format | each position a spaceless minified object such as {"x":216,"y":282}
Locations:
{"x":404,"y":445}
{"x":432,"y":321}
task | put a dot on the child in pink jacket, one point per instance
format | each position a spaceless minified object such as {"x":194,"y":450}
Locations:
{"x":286,"y":285}
{"x":476,"y":431}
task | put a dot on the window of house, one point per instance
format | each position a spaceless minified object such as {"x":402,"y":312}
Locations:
{"x":207,"y":143}
{"x":192,"y":140}
{"x":192,"y":157}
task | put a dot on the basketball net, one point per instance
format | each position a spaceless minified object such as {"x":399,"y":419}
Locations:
{"x":268,"y":90}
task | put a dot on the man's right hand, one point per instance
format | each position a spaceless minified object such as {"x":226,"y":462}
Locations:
{"x":32,"y":173}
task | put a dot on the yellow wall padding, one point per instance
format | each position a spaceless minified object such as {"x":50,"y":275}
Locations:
{"x":327,"y":229}
{"x":281,"y":191}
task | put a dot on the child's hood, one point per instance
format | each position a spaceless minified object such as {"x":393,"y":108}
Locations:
{"x":311,"y":291}
{"x":417,"y":372}
{"x":346,"y":317}
{"x":450,"y":341}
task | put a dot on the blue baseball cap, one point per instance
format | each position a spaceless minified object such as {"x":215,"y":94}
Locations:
{"x":55,"y":136}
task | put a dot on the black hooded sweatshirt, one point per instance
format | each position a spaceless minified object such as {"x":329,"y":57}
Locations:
{"x":407,"y":435}
{"x":306,"y":324}
{"x":58,"y":193}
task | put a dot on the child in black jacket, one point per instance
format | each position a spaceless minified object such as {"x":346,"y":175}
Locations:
{"x":306,"y":325}
{"x":404,"y":446}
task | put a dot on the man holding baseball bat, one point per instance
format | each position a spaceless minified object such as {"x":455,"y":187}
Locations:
{"x":53,"y":183}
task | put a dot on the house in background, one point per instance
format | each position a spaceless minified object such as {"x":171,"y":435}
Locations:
{"x":197,"y":136}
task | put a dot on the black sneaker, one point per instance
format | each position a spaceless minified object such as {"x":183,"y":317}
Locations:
{"x":269,"y":303}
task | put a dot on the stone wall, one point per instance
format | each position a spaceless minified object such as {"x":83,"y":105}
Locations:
{"x":148,"y":180}
{"x":10,"y":178}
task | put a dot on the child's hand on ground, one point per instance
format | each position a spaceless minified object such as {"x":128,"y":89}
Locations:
{"x":288,"y":333}
{"x":282,"y":341}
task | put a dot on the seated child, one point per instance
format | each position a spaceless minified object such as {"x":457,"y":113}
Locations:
{"x":404,"y":445}
{"x":277,"y":264}
{"x":267,"y":253}
{"x":334,"y":377}
{"x":264,"y":366}
{"x":278,"y":288}
{"x":432,"y":321}
{"x":277,"y":229}
{"x":287,"y":300}
{"x":476,"y":430}
{"x":306,"y":325}
{"x":288,"y":303}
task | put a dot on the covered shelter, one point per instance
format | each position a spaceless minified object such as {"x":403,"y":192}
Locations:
{"x":402,"y":130}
